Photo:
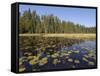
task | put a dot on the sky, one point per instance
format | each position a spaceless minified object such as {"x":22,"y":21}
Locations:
{"x":83,"y":16}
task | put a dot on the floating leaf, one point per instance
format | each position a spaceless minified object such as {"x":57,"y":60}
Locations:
{"x":77,"y":61}
{"x":91,"y":63}
{"x":27,"y":53}
{"x":22,"y":69}
{"x":21,"y":58}
{"x":77,"y":51}
{"x":20,"y":63}
{"x":86,"y":49}
{"x":48,"y":55}
{"x":55,"y":55}
{"x":91,"y":54}
{"x":86,"y":56}
{"x":43,"y":61}
{"x":55,"y":61}
{"x":70,"y":60}
{"x":69,"y":52}
{"x":34,"y":60}
{"x":30,"y":57}
{"x":85,"y":59}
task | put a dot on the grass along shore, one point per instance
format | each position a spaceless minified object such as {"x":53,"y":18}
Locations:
{"x":67,"y":35}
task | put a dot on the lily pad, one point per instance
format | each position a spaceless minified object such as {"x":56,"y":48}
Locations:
{"x":85,"y":59}
{"x":55,"y":61}
{"x":43,"y":61}
{"x":34,"y":61}
{"x":70,"y":60}
{"x":55,"y":55}
{"x":22,"y":69}
{"x":77,"y":51}
{"x":91,"y":63}
{"x":30,"y":57}
{"x":77,"y":61}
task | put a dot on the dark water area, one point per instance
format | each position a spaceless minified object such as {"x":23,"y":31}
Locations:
{"x":39,"y":54}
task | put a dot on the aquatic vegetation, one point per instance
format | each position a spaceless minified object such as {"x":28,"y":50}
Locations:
{"x":65,"y":53}
{"x":30,"y":57}
{"x":70,"y":60}
{"x":20,"y":63}
{"x":69,"y":52}
{"x":48,"y":55}
{"x":22,"y":68}
{"x":27,"y":47}
{"x":77,"y":61}
{"x":91,"y":54}
{"x":55,"y":61}
{"x":27,"y":53}
{"x":34,"y":60}
{"x":53,"y":46}
{"x":85,"y":59}
{"x":42,"y":49}
{"x":66,"y":57}
{"x":74,"y":48}
{"x":22,"y":59}
{"x":94,"y":57}
{"x":54,"y":51}
{"x":86,"y":49}
{"x":43,"y":61}
{"x":77,"y":51}
{"x":91,"y":63}
{"x":55,"y":55}
{"x":86,"y":56}
{"x":48,"y":46}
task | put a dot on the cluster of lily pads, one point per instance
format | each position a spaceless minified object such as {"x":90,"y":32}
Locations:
{"x":47,"y":53}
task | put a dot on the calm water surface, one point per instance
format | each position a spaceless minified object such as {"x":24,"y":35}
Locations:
{"x":77,"y":55}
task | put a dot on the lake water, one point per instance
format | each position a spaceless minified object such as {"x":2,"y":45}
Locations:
{"x":84,"y":49}
{"x":81,"y":54}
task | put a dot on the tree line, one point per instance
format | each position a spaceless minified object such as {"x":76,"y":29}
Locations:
{"x":31,"y":22}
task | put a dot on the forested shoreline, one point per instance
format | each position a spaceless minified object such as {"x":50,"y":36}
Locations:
{"x":31,"y":22}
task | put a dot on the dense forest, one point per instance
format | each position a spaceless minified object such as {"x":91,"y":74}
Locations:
{"x":31,"y":22}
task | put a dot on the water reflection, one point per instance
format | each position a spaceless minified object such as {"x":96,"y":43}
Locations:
{"x":40,"y":53}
